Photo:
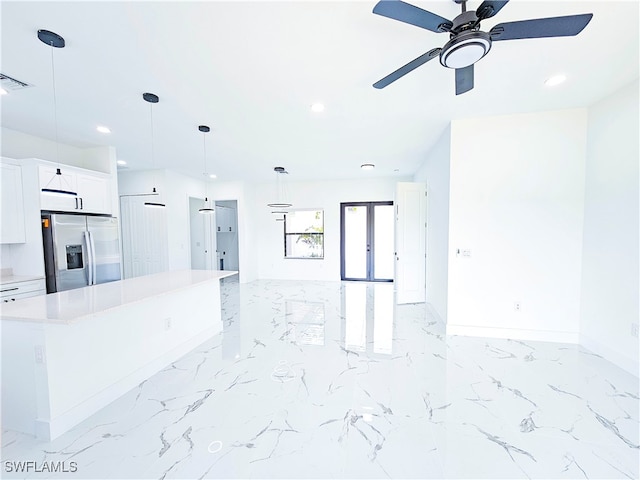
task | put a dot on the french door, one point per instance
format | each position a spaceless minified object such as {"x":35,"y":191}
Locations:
{"x":367,"y":241}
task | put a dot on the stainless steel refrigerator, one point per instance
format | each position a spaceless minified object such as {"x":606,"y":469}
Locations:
{"x":80,"y":250}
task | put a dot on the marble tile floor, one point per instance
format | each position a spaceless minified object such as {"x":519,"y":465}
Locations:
{"x":332,"y":380}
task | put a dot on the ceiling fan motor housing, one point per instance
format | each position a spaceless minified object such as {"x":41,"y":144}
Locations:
{"x":465,"y":49}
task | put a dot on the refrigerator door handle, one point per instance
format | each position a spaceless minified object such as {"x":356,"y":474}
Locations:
{"x":88,"y":243}
{"x":93,"y":259}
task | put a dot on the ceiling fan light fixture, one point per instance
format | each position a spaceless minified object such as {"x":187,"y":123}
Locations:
{"x":465,"y":49}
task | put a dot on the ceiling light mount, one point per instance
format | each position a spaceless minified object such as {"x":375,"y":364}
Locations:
{"x":150,"y":97}
{"x":51,"y":38}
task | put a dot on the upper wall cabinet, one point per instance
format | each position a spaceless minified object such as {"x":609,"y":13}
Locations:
{"x":88,"y":192}
{"x":225,"y":219}
{"x":12,"y":228}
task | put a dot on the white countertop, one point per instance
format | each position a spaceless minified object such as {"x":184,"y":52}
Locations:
{"x":73,"y":305}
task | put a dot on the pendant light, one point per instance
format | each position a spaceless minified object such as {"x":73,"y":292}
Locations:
{"x":206,"y":208}
{"x":152,"y":98}
{"x":281,"y":203}
{"x":53,"y":40}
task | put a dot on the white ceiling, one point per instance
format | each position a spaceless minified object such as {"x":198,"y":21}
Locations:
{"x":251,"y":70}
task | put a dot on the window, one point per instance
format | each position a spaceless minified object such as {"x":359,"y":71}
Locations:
{"x":304,"y":234}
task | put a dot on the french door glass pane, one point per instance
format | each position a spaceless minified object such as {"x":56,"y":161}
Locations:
{"x":355,"y":241}
{"x":383,"y":241}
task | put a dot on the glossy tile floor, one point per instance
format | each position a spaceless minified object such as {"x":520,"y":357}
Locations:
{"x":324,"y":380}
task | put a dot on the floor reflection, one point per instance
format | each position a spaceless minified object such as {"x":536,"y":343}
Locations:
{"x":306,"y":322}
{"x":368,"y":313}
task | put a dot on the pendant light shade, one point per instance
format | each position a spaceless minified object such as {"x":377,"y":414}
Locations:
{"x":57,"y":184}
{"x":281,"y":191}
{"x":206,"y":208}
{"x":152,"y":98}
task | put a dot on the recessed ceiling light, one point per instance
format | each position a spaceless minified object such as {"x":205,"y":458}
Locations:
{"x":102,"y":129}
{"x":3,"y":91}
{"x":317,"y":107}
{"x":555,"y":80}
{"x":213,"y":175}
{"x":367,"y":166}
{"x":121,"y":162}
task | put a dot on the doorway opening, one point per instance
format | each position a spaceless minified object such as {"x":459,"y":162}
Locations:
{"x":203,"y":240}
{"x":367,"y":241}
{"x":227,"y":251}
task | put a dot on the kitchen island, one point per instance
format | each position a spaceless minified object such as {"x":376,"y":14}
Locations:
{"x":66,"y":355}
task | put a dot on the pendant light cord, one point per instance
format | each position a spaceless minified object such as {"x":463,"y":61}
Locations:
{"x":153,"y":163}
{"x":55,"y":105}
{"x":204,"y":150}
{"x":152,"y":151}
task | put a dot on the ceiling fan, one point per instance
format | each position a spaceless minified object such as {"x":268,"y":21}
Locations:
{"x":467,"y":43}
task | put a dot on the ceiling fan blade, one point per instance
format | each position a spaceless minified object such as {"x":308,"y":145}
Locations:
{"x":464,"y":79}
{"x":489,"y":8}
{"x":412,"y":65}
{"x":541,"y":27}
{"x":407,"y":13}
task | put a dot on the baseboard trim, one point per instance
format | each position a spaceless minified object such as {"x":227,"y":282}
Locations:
{"x":614,"y":356}
{"x":514,"y":333}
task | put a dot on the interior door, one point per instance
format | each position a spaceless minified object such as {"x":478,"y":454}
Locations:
{"x":410,"y":271}
{"x":366,"y":241}
{"x":145,"y":248}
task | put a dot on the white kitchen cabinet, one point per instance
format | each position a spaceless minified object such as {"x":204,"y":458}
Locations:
{"x":12,"y":291}
{"x":12,"y":228}
{"x":94,"y":193}
{"x":92,"y":190}
{"x":225,"y":219}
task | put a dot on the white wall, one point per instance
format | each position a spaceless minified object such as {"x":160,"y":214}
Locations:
{"x":325,"y":195}
{"x":610,"y":298}
{"x":516,"y":204}
{"x":17,"y":144}
{"x":435,"y":172}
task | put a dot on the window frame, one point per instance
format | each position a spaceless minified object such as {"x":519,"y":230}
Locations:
{"x":286,"y":234}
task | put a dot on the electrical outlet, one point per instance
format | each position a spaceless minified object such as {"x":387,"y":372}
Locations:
{"x":167,"y":323}
{"x":634,"y":330}
{"x":39,"y":351}
{"x":517,"y":306}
